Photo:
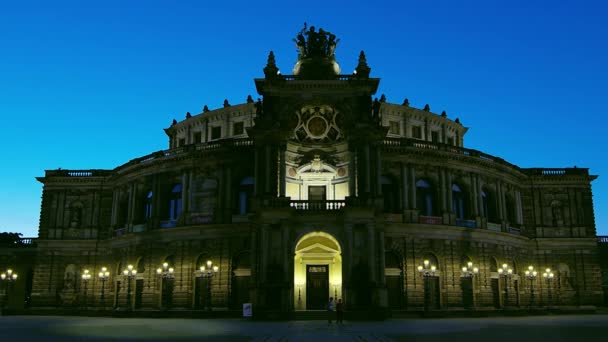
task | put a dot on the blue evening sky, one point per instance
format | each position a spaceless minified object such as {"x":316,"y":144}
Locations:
{"x":91,"y":84}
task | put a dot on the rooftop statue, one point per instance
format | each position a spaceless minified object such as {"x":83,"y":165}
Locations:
{"x":311,"y":44}
{"x":316,"y":54}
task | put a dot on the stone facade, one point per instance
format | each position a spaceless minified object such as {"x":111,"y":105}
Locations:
{"x":315,"y":191}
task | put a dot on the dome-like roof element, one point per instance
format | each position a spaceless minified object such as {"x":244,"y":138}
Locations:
{"x":316,"y":60}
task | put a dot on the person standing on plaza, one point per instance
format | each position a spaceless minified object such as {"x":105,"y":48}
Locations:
{"x":330,"y":309}
{"x":339,"y":311}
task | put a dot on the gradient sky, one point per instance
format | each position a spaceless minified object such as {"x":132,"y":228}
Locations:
{"x":91,"y":84}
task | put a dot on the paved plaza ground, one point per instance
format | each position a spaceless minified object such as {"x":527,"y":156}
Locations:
{"x":512,"y":329}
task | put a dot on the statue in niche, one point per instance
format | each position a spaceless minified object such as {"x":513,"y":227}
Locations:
{"x":69,"y":278}
{"x":556,"y":212}
{"x":75,"y":216}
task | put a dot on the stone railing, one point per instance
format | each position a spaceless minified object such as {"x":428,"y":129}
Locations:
{"x":427,"y":145}
{"x":337,"y":78}
{"x":206,"y":146}
{"x":78,"y":173}
{"x":430,"y":219}
{"x":466,"y":223}
{"x":497,"y":227}
{"x":602,"y":239}
{"x":415,"y":143}
{"x":168,"y":224}
{"x":19,"y":242}
{"x":317,"y":205}
{"x":556,"y":171}
{"x":120,"y":232}
{"x":514,"y":230}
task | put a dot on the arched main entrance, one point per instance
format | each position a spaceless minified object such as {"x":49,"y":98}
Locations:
{"x":317,"y":271}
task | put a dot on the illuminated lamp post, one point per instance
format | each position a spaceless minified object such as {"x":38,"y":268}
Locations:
{"x":166,"y":275}
{"x":531,"y":276}
{"x":86,"y":276}
{"x":427,"y":270}
{"x":208,"y":271}
{"x":469,"y":272}
{"x":129,"y":273}
{"x":8,"y":277}
{"x":104,"y":275}
{"x":548,"y":275}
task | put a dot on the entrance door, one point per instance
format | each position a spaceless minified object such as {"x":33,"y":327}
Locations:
{"x":317,"y":286}
{"x":466,"y":284}
{"x":316,"y":193}
{"x":395,"y":291}
{"x":495,"y":293}
{"x":139,"y":290}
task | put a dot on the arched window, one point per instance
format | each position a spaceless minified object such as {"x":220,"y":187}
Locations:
{"x":432,"y":259}
{"x":493,"y":265}
{"x":245,"y":194}
{"x":425,"y":198}
{"x":390,"y":194}
{"x":458,"y":202}
{"x":175,"y":203}
{"x":148,"y":206}
{"x":141,"y":265}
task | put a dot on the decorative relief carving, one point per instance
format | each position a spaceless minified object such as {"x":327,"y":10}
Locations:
{"x":316,"y":124}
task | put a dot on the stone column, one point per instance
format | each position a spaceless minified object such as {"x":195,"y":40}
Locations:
{"x":412,"y":174}
{"x":442,"y":186}
{"x":256,"y":174}
{"x":156,"y":202}
{"x":519,"y":217}
{"x":115,"y":200}
{"x":479,"y":196}
{"x":371,"y":252}
{"x":404,"y":202}
{"x":381,"y":256}
{"x":228,"y":202}
{"x":378,"y":168}
{"x":267,"y":155}
{"x":131,"y":205}
{"x":282,"y":167}
{"x":449,"y":191}
{"x":366,"y":160}
{"x":264,"y":252}
{"x":184,"y":215}
{"x":352,"y":174}
{"x":474,"y":195}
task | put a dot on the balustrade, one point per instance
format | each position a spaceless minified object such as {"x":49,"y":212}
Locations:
{"x":317,"y":205}
{"x":430,"y":219}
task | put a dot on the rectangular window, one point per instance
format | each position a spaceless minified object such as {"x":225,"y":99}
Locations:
{"x":416,"y":132}
{"x":238,"y":128}
{"x":197,"y":137}
{"x":435,"y":136}
{"x":451,"y":141}
{"x":216,"y":132}
{"x":393,"y":127}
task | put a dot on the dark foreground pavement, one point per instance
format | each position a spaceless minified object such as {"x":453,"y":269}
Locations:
{"x":512,"y":329}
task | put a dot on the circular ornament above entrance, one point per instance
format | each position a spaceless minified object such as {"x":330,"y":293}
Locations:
{"x":316,"y":124}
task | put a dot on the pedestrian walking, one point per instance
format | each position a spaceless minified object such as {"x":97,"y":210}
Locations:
{"x":330,"y":309}
{"x":339,"y":311}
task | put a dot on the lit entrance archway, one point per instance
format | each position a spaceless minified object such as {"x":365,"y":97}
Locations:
{"x":317,"y":271}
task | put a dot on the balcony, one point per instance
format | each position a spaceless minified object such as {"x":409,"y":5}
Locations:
{"x":466,"y":223}
{"x":317,"y":205}
{"x":168,"y":224}
{"x":496,"y":227}
{"x":430,"y":219}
